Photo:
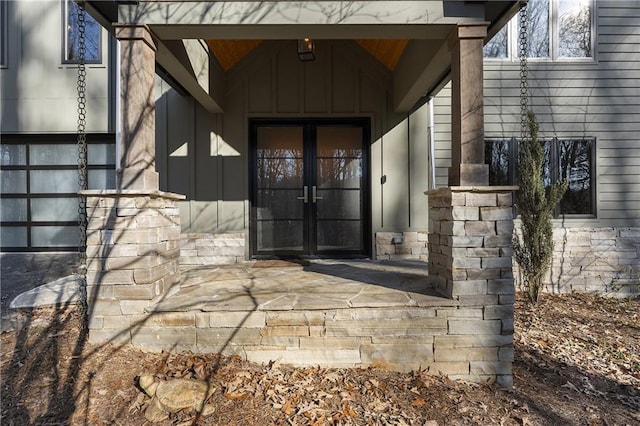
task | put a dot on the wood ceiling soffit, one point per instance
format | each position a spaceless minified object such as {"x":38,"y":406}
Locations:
{"x":386,"y":51}
{"x":230,"y":52}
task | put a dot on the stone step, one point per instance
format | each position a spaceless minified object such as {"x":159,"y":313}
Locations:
{"x":398,"y":339}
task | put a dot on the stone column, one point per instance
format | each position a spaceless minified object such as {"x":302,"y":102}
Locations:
{"x":470,"y":241}
{"x":136,"y":167}
{"x":132,"y":258}
{"x":133,"y":230}
{"x":470,"y":251}
{"x":467,"y":117}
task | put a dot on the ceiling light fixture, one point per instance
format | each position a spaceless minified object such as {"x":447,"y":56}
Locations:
{"x":306,"y":50}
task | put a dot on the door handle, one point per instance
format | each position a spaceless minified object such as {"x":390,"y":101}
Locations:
{"x":305,"y":194}
{"x":314,"y":195}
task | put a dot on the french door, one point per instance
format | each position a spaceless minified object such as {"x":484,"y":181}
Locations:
{"x":310,"y":191}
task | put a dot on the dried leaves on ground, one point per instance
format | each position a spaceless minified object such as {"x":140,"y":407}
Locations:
{"x":577,"y":362}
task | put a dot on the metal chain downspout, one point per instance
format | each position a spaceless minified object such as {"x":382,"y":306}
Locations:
{"x":82,"y":163}
{"x":523,"y":50}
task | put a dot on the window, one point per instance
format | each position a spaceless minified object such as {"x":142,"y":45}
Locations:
{"x":569,"y":159}
{"x":39,"y":185}
{"x":498,"y":46}
{"x":574,"y":29}
{"x":557,"y":30}
{"x":4,"y":34}
{"x":71,"y":35}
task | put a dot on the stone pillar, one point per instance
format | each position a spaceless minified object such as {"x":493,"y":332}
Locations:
{"x":136,"y":165}
{"x":470,"y":251}
{"x":467,"y":117}
{"x":133,"y":231}
{"x":132,"y":258}
{"x":470,"y":240}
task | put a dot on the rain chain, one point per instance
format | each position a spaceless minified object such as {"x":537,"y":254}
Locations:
{"x":82,"y":161}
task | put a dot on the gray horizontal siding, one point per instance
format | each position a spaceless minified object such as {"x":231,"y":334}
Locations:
{"x":599,"y":98}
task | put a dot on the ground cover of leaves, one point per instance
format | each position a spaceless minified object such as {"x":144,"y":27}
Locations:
{"x":577,"y":361}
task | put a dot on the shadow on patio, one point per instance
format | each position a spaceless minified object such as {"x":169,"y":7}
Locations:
{"x":309,"y":285}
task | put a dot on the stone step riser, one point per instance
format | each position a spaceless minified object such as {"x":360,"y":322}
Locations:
{"x":402,"y":339}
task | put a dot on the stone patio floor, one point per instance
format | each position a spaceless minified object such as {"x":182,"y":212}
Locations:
{"x":309,"y":285}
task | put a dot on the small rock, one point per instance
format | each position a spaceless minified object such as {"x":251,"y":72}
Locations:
{"x":177,"y":394}
{"x":208,"y":410}
{"x":148,"y":384}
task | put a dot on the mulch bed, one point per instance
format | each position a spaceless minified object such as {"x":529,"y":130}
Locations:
{"x":577,"y":362}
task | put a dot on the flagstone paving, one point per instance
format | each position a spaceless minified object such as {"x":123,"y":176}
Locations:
{"x":317,"y":284}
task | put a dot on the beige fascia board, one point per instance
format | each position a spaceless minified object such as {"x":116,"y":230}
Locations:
{"x":198,"y":54}
{"x":182,"y":72}
{"x":383,"y":12}
{"x":414,"y":76}
{"x":295,"y":31}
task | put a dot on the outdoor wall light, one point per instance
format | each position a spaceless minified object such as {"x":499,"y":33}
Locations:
{"x":306,"y":50}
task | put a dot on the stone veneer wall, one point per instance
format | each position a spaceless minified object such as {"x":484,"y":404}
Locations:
{"x":132,"y":258}
{"x":470,"y":242}
{"x":602,"y":260}
{"x":212,"y":249}
{"x":470,"y":343}
{"x":470,"y":261}
{"x":412,"y":247}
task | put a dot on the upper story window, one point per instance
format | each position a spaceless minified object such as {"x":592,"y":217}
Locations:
{"x":4,"y":34}
{"x":557,"y":30}
{"x":71,"y":36}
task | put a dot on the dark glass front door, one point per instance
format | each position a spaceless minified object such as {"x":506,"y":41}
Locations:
{"x":309,"y":187}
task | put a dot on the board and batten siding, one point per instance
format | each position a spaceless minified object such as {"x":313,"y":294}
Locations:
{"x":599,"y":98}
{"x":206,"y":156}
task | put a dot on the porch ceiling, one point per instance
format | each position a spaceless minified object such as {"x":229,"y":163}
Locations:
{"x":408,"y":37}
{"x":230,"y":52}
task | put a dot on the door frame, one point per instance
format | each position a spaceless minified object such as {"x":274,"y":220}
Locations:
{"x":308,"y":123}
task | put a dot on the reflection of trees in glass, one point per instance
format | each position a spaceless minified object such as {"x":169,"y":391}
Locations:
{"x":342,"y":169}
{"x":571,"y":24}
{"x":339,"y":181}
{"x":72,"y":35}
{"x":538,"y":28}
{"x":280,"y":173}
{"x":574,"y":28}
{"x":547,"y":170}
{"x":497,"y":154}
{"x":574,"y":165}
{"x":563,"y":159}
{"x":497,"y":47}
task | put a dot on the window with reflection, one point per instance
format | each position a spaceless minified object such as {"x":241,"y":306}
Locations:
{"x":574,"y":29}
{"x":556,"y":30}
{"x":570,"y":159}
{"x":538,"y":29}
{"x":575,"y":159}
{"x":71,"y":36}
{"x":498,"y":46}
{"x":4,"y":34}
{"x":499,"y":156}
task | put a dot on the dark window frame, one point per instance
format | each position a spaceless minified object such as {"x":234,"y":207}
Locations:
{"x":65,"y":25}
{"x":513,"y":150}
{"x":46,"y":139}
